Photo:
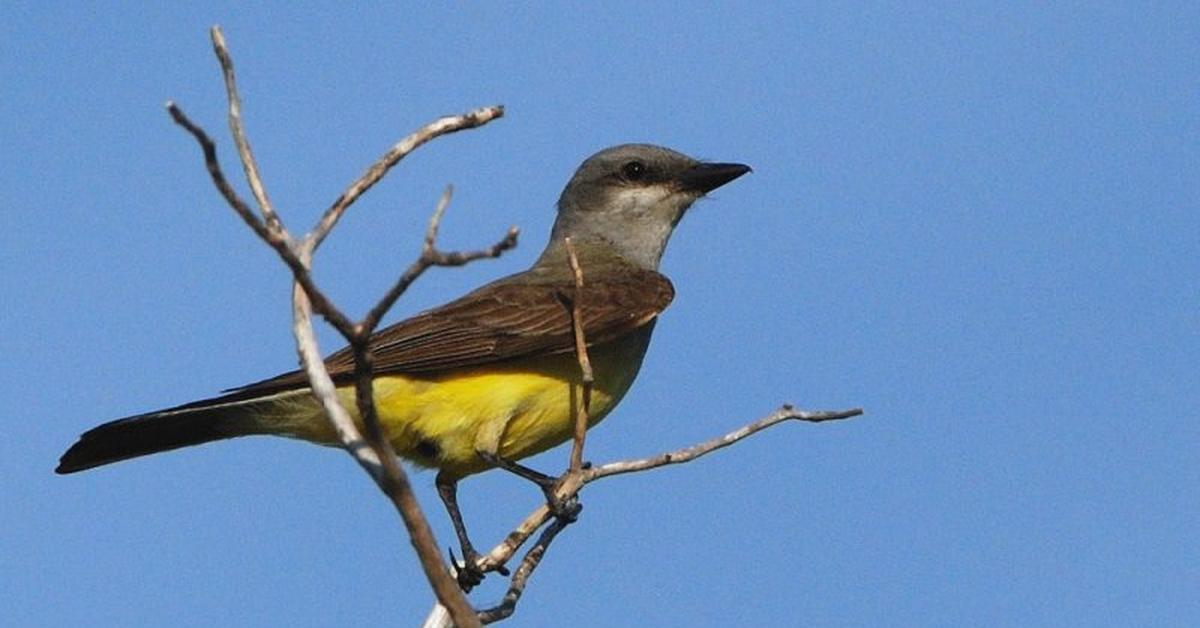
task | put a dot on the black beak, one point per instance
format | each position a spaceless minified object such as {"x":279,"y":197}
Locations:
{"x":706,"y":177}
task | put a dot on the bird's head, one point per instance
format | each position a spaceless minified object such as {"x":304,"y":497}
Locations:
{"x":633,"y":195}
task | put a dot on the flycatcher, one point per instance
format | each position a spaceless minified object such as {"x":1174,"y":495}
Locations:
{"x":492,"y":377}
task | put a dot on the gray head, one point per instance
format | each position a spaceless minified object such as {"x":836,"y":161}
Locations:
{"x":633,"y":195}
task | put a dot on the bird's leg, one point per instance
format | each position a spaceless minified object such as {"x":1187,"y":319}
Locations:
{"x":487,"y":447}
{"x":565,"y":509}
{"x":469,"y":574}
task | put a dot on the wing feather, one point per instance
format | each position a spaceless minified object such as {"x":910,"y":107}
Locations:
{"x":504,"y":320}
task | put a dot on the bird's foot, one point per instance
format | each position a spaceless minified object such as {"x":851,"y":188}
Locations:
{"x":468,"y":571}
{"x":566,"y":510}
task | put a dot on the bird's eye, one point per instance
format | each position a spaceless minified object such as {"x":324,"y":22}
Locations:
{"x":634,"y":171}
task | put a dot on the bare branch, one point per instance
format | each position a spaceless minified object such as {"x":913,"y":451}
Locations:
{"x":687,"y":454}
{"x":277,"y":238}
{"x":277,"y":241}
{"x":583,"y":412}
{"x":394,"y":481}
{"x":375,"y":172}
{"x":459,"y":258}
{"x":396,"y":486}
{"x":434,"y":256}
{"x":431,"y":256}
{"x":249,"y":165}
{"x":375,"y":456}
{"x":574,"y":482}
{"x":520,"y":577}
{"x":429,"y":244}
{"x":378,"y":460}
{"x":325,"y":391}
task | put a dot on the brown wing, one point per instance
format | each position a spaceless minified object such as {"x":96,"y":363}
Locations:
{"x":504,"y":320}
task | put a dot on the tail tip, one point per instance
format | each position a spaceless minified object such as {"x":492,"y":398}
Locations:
{"x":67,"y":465}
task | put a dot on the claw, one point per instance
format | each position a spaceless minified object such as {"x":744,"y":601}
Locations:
{"x":467,"y":570}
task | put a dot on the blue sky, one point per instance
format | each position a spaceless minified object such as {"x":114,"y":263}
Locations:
{"x":979,"y":222}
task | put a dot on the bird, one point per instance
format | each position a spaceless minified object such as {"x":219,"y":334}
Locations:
{"x":492,"y":377}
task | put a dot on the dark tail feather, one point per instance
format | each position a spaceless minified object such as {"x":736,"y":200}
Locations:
{"x":160,"y":431}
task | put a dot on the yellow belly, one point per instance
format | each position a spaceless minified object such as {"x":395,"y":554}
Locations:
{"x":437,"y":420}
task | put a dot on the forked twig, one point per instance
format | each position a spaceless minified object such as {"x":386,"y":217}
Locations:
{"x":249,"y":164}
{"x":377,"y":459}
{"x":274,"y":235}
{"x":432,"y":256}
{"x":520,"y":576}
{"x":437,"y":128}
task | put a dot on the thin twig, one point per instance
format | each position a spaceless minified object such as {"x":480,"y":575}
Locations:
{"x":326,"y":391}
{"x":583,"y":412}
{"x":249,"y":165}
{"x":431,"y":256}
{"x":572,"y":483}
{"x":278,"y":239}
{"x":687,"y":454}
{"x":437,"y":128}
{"x":521,"y":575}
{"x":504,"y":551}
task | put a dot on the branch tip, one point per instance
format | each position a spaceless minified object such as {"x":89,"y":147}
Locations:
{"x":442,"y":126}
